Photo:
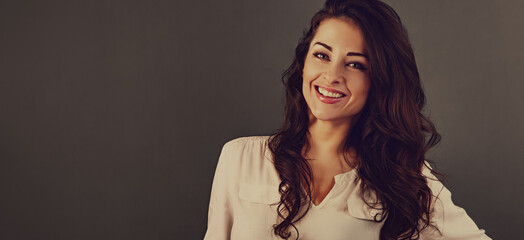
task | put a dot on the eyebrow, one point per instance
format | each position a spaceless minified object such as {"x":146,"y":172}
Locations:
{"x":348,"y":54}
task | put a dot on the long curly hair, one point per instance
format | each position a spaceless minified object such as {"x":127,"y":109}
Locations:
{"x":391,"y":135}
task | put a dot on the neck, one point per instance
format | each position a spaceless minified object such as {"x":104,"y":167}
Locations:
{"x":327,"y":137}
{"x":326,"y":141}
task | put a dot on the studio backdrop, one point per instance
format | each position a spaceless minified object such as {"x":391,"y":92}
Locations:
{"x":113,"y":113}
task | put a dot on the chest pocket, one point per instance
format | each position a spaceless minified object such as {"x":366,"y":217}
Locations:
{"x":256,"y":212}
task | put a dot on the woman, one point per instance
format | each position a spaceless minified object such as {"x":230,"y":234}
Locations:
{"x":349,"y":160}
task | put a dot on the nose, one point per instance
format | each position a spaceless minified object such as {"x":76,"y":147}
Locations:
{"x":334,"y":74}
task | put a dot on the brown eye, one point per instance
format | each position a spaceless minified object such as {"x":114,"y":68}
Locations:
{"x":321,"y":56}
{"x":356,"y":65}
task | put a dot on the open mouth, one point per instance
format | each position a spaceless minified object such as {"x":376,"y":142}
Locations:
{"x":329,"y":94}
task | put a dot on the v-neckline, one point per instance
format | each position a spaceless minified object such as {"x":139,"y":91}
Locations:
{"x":337,"y":178}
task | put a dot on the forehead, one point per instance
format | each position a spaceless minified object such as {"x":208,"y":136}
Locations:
{"x":341,"y":34}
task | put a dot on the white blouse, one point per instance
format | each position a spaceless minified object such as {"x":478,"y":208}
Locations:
{"x":244,"y":198}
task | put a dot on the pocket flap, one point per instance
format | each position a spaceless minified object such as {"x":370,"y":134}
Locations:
{"x":259,"y":193}
{"x":361,"y":210}
{"x":358,"y":208}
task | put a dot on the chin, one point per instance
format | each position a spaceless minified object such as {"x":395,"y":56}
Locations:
{"x":329,"y":117}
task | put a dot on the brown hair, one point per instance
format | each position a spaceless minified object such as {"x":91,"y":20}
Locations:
{"x":391,"y":136}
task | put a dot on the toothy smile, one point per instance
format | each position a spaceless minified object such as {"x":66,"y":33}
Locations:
{"x":328,"y":93}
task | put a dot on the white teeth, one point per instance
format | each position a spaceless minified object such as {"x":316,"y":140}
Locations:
{"x":328,"y":93}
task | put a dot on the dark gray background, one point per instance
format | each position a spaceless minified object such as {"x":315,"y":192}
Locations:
{"x":113,"y":113}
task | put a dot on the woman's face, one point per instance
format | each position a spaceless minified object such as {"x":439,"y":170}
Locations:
{"x":335,"y":76}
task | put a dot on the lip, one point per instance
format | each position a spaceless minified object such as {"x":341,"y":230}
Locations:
{"x":328,"y":100}
{"x":331,"y":90}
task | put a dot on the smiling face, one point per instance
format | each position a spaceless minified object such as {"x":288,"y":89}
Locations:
{"x":335,"y":76}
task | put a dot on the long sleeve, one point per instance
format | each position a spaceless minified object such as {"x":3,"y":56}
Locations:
{"x":452,"y":221}
{"x":220,"y":216}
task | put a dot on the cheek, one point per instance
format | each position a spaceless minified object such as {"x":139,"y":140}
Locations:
{"x":366,"y":85}
{"x":359,"y":89}
{"x":306,"y":86}
{"x":310,"y":73}
{"x":363,"y":88}
{"x":360,"y":85}
{"x":307,"y":76}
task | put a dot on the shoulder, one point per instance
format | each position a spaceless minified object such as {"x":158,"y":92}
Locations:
{"x":250,"y":159}
{"x":246,"y":146}
{"x":450,"y":219}
{"x":242,"y":142}
{"x":436,"y":186}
